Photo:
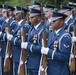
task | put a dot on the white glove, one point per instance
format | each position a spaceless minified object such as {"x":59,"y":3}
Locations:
{"x":9,"y":36}
{"x":73,"y":39}
{"x":24,"y":45}
{"x":44,"y":50}
{"x":0,"y":33}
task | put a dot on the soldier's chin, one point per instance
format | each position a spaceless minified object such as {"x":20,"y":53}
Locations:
{"x":54,"y":27}
{"x":46,"y":17}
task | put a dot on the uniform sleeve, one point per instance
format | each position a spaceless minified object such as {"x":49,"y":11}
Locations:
{"x":3,"y":36}
{"x":16,"y":41}
{"x":36,"y":47}
{"x":63,"y":53}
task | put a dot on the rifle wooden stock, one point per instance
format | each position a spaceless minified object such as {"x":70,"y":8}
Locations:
{"x":9,"y":52}
{"x":73,"y":63}
{"x":72,"y":66}
{"x":44,"y":58}
{"x":75,"y":42}
{"x":23,"y":58}
{"x":22,"y":69}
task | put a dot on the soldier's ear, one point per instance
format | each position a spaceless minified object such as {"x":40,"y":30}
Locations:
{"x":62,"y":21}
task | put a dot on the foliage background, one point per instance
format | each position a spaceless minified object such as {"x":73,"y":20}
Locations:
{"x":29,"y":2}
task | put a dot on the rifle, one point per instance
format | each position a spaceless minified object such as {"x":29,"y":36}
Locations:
{"x":43,"y":64}
{"x":73,"y":60}
{"x":22,"y":65}
{"x":7,"y":63}
{"x":22,"y":69}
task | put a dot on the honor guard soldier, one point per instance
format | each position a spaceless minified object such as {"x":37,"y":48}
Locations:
{"x":36,"y":5}
{"x":48,"y":10}
{"x":34,"y":42}
{"x":69,"y":20}
{"x":70,"y":28}
{"x":4,"y":38}
{"x":58,"y":47}
{"x":16,"y":38}
{"x":74,"y":8}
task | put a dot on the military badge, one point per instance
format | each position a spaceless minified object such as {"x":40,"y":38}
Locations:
{"x":35,"y":38}
{"x":66,"y":46}
{"x":55,"y":44}
{"x":18,"y":33}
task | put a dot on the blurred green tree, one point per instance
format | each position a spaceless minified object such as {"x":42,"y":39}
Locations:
{"x":29,"y":2}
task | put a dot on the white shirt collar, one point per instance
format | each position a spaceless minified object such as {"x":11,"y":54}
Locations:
{"x":37,"y":25}
{"x":49,"y":20}
{"x":71,"y":16}
{"x":11,"y":17}
{"x":19,"y":22}
{"x":7,"y":19}
{"x":56,"y":31}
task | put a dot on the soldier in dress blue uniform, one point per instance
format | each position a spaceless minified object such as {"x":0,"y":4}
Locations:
{"x":11,"y":20}
{"x":70,"y":28}
{"x":72,"y":4}
{"x":13,"y":24}
{"x":34,"y":42}
{"x":58,"y":47}
{"x":69,"y":20}
{"x":35,"y":5}
{"x":4,"y":40}
{"x":16,"y":38}
{"x":48,"y":10}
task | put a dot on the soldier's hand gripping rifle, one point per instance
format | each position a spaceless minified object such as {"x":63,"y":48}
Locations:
{"x":43,"y":62}
{"x":7,"y":63}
